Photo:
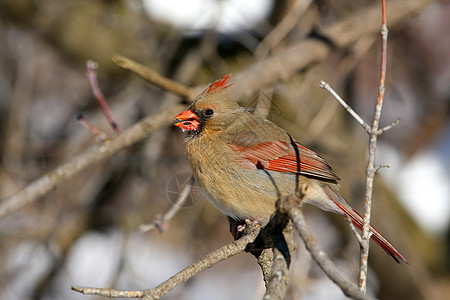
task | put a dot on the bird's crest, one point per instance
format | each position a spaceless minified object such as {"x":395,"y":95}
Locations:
{"x":218,"y":85}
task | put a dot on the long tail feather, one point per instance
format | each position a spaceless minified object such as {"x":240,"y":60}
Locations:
{"x":357,"y":220}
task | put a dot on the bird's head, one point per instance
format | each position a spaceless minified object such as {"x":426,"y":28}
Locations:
{"x":213,"y":110}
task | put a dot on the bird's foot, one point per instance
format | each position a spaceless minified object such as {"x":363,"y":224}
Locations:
{"x":237,"y":227}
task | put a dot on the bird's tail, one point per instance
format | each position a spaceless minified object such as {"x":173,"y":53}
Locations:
{"x":357,"y":220}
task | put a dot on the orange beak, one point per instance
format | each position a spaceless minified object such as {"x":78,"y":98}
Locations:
{"x":187,"y":121}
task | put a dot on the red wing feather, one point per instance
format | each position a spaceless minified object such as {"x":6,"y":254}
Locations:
{"x":281,"y":157}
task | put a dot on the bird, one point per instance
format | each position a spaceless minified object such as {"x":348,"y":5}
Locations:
{"x":243,"y":163}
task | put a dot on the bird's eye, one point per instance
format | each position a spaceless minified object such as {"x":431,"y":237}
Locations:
{"x":209,"y":112}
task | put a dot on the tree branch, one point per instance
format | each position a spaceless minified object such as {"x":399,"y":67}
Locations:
{"x":111,"y":293}
{"x":371,"y":170}
{"x":88,"y":158}
{"x":389,"y":127}
{"x":154,"y":77}
{"x":265,"y":262}
{"x":278,"y":280}
{"x":279,"y":276}
{"x":102,"y":136}
{"x":291,"y":206}
{"x":92,"y":76}
{"x":205,"y":262}
{"x":347,"y":107}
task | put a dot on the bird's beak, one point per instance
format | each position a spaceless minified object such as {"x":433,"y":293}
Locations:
{"x":187,"y":121}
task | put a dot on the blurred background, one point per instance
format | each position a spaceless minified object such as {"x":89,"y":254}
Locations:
{"x":86,"y":232}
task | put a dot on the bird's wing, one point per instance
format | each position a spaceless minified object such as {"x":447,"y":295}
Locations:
{"x":283,"y":156}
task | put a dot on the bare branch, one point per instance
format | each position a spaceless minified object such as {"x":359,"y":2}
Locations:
{"x":376,"y":168}
{"x":265,"y":260}
{"x":92,"y":76}
{"x":111,"y":293}
{"x":370,"y":171}
{"x":291,"y":205}
{"x":389,"y":127}
{"x":347,"y":107}
{"x":355,"y":232}
{"x":278,"y":280}
{"x":95,"y":131}
{"x":284,"y":245}
{"x":154,"y":77}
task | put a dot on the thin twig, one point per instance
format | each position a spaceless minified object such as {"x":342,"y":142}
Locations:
{"x":92,"y":75}
{"x":154,"y":77}
{"x":353,"y":228}
{"x":111,"y":293}
{"x":159,"y":221}
{"x":389,"y":127}
{"x":370,"y":171}
{"x":376,"y":168}
{"x":95,"y":131}
{"x":347,"y":107}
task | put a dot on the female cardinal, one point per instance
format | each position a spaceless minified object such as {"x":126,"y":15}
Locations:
{"x":244,"y":163}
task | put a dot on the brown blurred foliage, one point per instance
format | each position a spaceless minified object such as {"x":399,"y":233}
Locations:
{"x":44,"y":47}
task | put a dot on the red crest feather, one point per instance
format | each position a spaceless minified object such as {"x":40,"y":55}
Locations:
{"x":219,"y":84}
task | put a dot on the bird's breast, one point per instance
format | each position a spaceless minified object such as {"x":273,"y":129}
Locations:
{"x":238,"y":192}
